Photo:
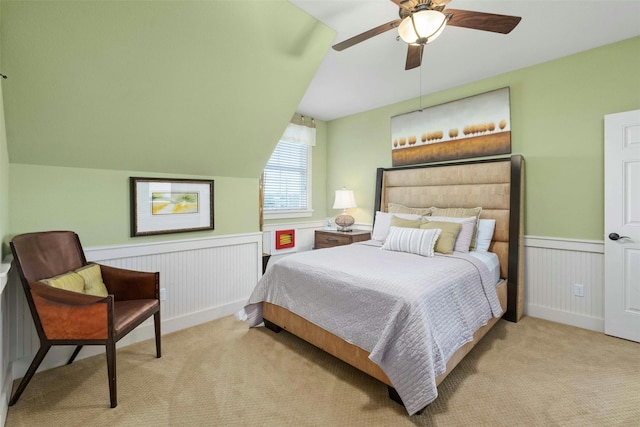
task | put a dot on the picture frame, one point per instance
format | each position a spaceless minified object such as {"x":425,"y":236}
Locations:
{"x":165,"y":205}
{"x":476,"y":126}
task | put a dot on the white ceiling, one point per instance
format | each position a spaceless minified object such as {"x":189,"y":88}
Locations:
{"x":371,"y":74}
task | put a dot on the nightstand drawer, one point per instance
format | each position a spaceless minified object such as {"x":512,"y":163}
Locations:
{"x":329,"y":240}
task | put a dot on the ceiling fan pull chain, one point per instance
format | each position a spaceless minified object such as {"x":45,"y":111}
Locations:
{"x":420,"y":93}
{"x":420,"y":71}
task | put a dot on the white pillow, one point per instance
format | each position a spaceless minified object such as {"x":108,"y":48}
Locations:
{"x":383,"y":222}
{"x":412,"y":240}
{"x":486,"y":227}
{"x":463,"y":241}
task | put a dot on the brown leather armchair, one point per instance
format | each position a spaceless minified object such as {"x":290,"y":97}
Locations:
{"x":63,"y":317}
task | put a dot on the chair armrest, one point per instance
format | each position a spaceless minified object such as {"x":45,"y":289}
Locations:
{"x":130,"y":284}
{"x":66,"y":315}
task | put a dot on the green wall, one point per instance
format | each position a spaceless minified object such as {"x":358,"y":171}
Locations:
{"x":189,"y":87}
{"x":557,"y":116}
{"x":103,"y":90}
{"x":95,"y":203}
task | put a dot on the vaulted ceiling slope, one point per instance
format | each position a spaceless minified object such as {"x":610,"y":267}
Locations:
{"x":372,"y":73}
{"x":190,"y":87}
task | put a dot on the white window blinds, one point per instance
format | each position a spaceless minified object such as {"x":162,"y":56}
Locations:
{"x":286,"y":178}
{"x":286,"y":184}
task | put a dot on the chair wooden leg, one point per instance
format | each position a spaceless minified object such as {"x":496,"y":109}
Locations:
{"x":156,"y":321}
{"x":111,"y":370}
{"x":42,"y":352}
{"x":75,"y":354}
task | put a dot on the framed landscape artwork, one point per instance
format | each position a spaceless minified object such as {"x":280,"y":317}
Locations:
{"x":476,"y":126}
{"x":160,"y":206}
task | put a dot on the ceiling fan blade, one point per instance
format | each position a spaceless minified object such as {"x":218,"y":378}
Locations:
{"x":439,"y":3}
{"x":405,"y":4}
{"x":367,"y":35}
{"x":482,"y":21}
{"x":414,"y":56}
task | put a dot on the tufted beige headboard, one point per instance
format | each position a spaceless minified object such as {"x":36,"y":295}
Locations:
{"x":497,"y":185}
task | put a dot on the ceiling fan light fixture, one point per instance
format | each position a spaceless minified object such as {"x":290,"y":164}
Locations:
{"x":422,"y":27}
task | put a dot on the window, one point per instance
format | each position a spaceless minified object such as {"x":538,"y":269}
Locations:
{"x":287,"y":176}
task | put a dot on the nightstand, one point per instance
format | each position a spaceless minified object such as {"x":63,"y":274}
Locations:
{"x":328,"y":239}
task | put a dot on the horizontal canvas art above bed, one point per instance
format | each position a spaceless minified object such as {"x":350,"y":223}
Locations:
{"x":476,"y":126}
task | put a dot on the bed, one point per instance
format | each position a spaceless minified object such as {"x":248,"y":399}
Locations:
{"x":337,"y":312}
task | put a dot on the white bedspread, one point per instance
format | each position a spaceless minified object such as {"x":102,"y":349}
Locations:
{"x":410,"y":312}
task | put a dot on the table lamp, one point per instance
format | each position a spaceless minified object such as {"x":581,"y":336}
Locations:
{"x":344,"y":200}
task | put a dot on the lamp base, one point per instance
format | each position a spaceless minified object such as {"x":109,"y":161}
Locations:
{"x":344,"y":222}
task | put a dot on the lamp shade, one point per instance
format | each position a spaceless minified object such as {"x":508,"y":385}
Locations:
{"x":344,"y":200}
{"x":422,"y":27}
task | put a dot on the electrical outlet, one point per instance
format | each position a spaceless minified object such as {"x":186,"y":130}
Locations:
{"x":163,"y":294}
{"x":578,"y":290}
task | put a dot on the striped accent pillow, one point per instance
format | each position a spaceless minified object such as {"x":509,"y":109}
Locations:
{"x":412,"y":240}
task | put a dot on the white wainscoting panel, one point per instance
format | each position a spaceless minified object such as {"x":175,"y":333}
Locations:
{"x":204,"y":279}
{"x":5,"y":362}
{"x":208,"y":278}
{"x":552,"y":268}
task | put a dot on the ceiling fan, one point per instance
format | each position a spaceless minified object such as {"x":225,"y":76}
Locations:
{"x":422,"y":21}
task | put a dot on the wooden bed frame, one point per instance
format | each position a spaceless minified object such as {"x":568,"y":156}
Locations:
{"x":497,"y":185}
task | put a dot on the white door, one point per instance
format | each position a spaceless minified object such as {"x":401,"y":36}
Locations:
{"x":622,"y":225}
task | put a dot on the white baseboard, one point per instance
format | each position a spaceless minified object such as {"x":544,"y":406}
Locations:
{"x":564,"y":317}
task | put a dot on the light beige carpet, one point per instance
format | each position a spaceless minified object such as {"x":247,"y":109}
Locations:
{"x":534,"y":373}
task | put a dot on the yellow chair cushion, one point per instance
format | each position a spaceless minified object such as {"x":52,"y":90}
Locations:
{"x":93,"y":284}
{"x":85,"y":280}
{"x":69,"y":281}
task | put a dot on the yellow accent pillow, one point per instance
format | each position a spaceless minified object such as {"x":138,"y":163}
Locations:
{"x":397,"y":208}
{"x":405,"y":223}
{"x":69,"y":281}
{"x":447,"y":239}
{"x":93,"y":284}
{"x":461,"y":213}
